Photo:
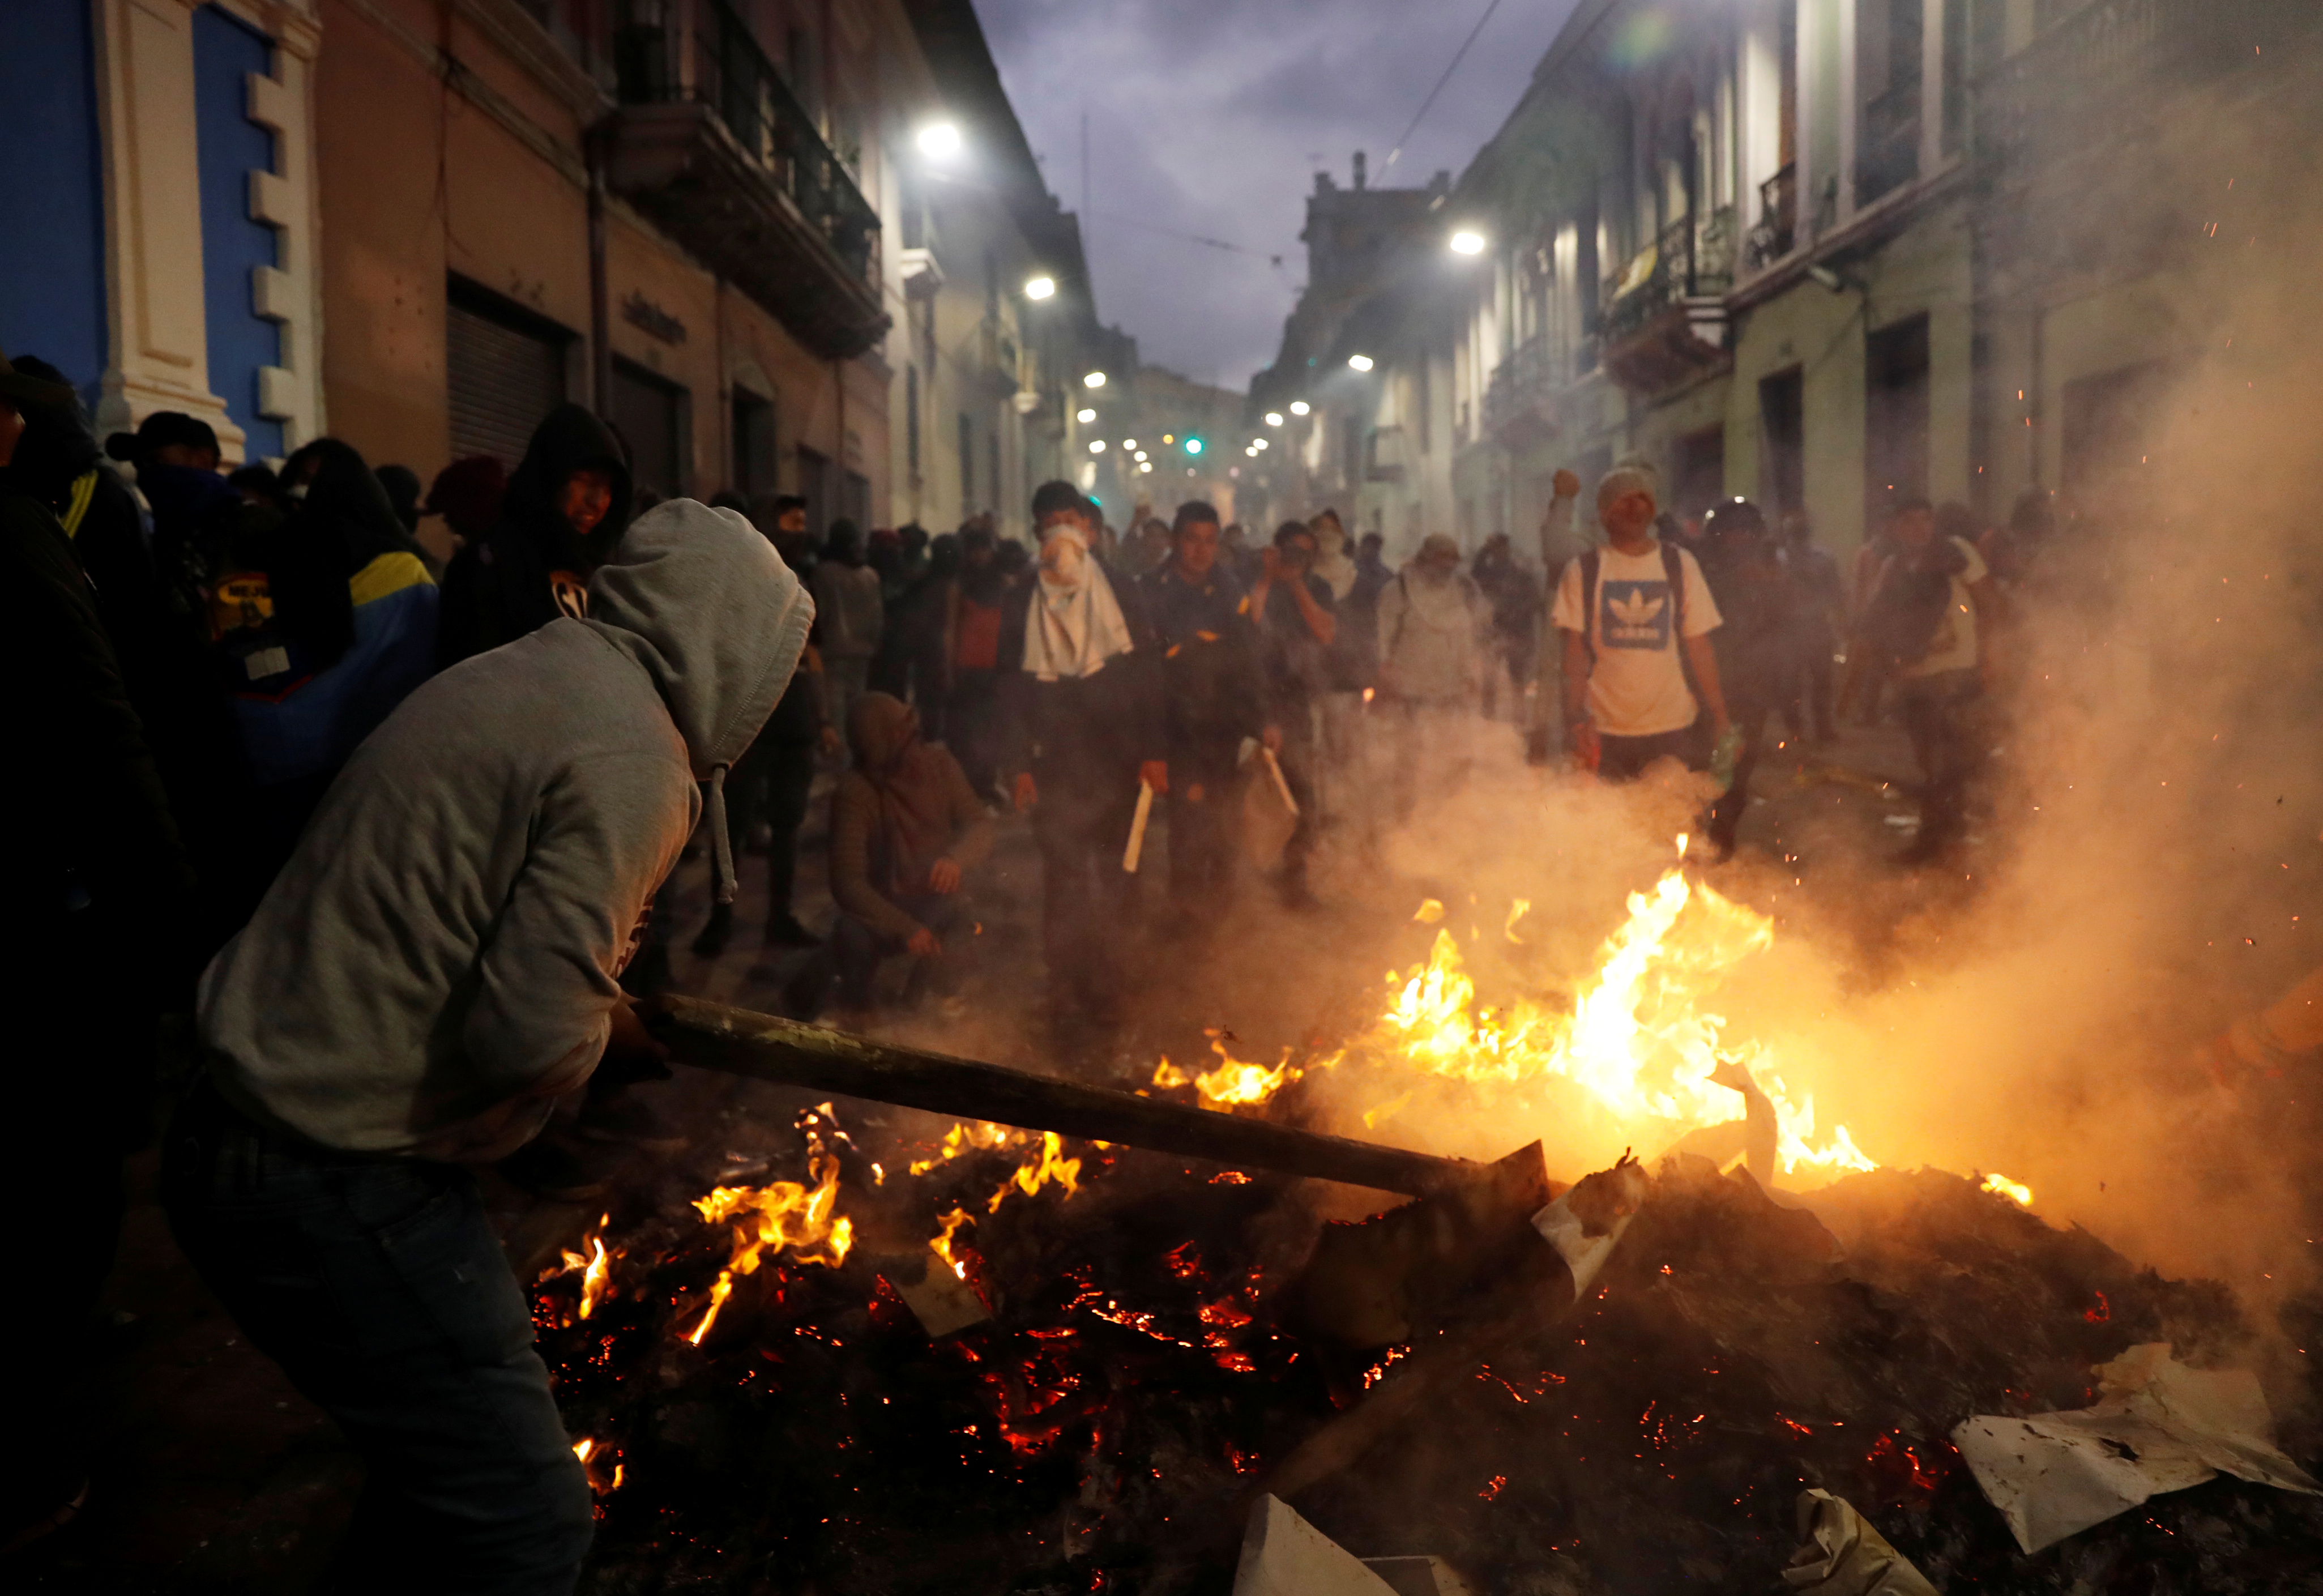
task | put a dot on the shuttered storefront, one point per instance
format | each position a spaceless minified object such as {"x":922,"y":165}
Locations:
{"x":650,"y":413}
{"x":506,"y":370}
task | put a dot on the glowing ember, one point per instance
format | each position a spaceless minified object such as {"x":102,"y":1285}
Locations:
{"x":785,"y":1217}
{"x":1637,"y":1040}
{"x":1035,"y":1173}
{"x":2002,"y":1186}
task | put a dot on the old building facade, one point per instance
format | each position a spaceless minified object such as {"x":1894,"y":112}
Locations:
{"x":1825,"y":253}
{"x":784,"y":244}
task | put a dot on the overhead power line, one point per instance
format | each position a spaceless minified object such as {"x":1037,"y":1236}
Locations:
{"x":1461,"y":55}
{"x":1217,"y":244}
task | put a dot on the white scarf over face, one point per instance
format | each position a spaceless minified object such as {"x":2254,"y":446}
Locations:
{"x":1332,"y":562}
{"x":1075,"y":624}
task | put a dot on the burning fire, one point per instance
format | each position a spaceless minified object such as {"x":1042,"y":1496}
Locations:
{"x":591,"y":1456}
{"x":2015,"y":1192}
{"x":596,"y":1266}
{"x":1034,"y":1173}
{"x":1637,"y":1039}
{"x":783,"y":1216}
{"x":968,"y":1136}
{"x":941,"y":1243}
{"x":1233,"y":1083}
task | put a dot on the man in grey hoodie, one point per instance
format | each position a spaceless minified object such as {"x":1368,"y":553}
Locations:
{"x":434,"y":968}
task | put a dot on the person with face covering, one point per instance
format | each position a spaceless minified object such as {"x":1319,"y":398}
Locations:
{"x":1082,"y":726}
{"x":1431,"y":663}
{"x":564,"y":510}
{"x":907,"y":834}
{"x":850,"y":614}
{"x":395,"y":1014}
{"x":1342,"y":784}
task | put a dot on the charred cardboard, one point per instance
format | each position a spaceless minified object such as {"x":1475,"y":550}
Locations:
{"x":1405,"y":1272}
{"x":1844,"y":1555}
{"x":942,"y":1302}
{"x":2158,"y":1427}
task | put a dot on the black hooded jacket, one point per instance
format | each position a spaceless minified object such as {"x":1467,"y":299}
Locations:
{"x":533,"y":568}
{"x":344,"y":522}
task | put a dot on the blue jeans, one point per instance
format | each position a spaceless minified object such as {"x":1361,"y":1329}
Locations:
{"x":378,"y":1286}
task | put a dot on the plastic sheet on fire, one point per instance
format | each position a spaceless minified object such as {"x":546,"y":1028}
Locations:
{"x":1844,"y":1555}
{"x":1282,"y":1554}
{"x":2158,"y":1427}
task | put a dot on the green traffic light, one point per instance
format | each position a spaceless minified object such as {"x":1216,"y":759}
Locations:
{"x":1193,"y":445}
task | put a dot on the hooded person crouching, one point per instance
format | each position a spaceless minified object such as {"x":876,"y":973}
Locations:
{"x":565,"y":508}
{"x":1081,"y":726}
{"x":906,"y":833}
{"x":437,"y":964}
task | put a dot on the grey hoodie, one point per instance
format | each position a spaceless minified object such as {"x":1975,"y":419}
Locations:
{"x":437,"y":962}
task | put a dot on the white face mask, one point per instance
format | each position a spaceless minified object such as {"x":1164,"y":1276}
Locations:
{"x":1060,"y":561}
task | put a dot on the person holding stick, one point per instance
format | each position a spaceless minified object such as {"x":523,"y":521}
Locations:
{"x":1081,"y":726}
{"x":1297,"y":623}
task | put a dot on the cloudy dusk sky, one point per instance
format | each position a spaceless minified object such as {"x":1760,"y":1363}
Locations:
{"x":1211,"y":117}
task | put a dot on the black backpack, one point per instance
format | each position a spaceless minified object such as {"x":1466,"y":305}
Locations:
{"x":1914,"y":594}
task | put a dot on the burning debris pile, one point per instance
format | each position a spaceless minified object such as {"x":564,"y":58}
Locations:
{"x":998,"y":1360}
{"x":791,"y":1427}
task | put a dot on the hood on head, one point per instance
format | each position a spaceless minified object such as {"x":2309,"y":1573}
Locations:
{"x":702,"y":603}
{"x":569,"y":438}
{"x":346,"y":505}
{"x":877,"y":727}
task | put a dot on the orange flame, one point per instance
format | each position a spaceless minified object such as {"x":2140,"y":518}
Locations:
{"x":1035,"y":1173}
{"x":783,"y":1216}
{"x":941,"y":1243}
{"x":968,"y":1136}
{"x":596,"y":1266}
{"x":1636,"y":1040}
{"x":1234,"y":1083}
{"x":2015,"y":1191}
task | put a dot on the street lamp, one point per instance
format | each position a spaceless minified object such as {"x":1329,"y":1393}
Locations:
{"x":1041,"y":288}
{"x":1359,"y":363}
{"x":1129,"y":443}
{"x":1467,"y":242}
{"x":1141,"y":455}
{"x":1084,"y":416}
{"x":1094,"y":379}
{"x":1298,"y":407}
{"x":1274,"y":417}
{"x":1258,"y":443}
{"x":1096,"y":445}
{"x":939,"y":141}
{"x":1193,"y":445}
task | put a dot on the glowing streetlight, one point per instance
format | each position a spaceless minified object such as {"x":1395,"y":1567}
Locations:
{"x":1041,"y":288}
{"x":1094,"y":379}
{"x":1300,"y":406}
{"x":1129,"y":443}
{"x":1147,"y":468}
{"x":1096,"y":445}
{"x":939,"y":141}
{"x":1085,"y":417}
{"x":1467,"y":242}
{"x":1359,"y":363}
{"x":1249,"y":454}
{"x":1258,"y":443}
{"x":1141,"y":455}
{"x":1274,"y":417}
{"x":1193,"y":445}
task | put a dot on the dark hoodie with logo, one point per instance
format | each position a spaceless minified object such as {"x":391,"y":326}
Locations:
{"x":534,"y":567}
{"x":438,"y":962}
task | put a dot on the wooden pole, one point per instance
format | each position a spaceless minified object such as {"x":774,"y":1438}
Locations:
{"x":738,"y":1042}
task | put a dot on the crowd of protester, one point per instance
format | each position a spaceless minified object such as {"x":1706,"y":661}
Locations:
{"x":384,"y":781}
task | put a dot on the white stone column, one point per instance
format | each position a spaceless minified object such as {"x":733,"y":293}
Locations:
{"x":158,"y":354}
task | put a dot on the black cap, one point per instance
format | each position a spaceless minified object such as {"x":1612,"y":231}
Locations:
{"x":158,"y":432}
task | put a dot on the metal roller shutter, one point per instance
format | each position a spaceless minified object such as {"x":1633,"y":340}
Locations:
{"x":503,"y":378}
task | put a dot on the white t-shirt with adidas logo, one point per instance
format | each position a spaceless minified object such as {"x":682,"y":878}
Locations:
{"x":1638,"y":687}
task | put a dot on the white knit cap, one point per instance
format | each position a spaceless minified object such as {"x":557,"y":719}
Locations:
{"x":1631,"y":476}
